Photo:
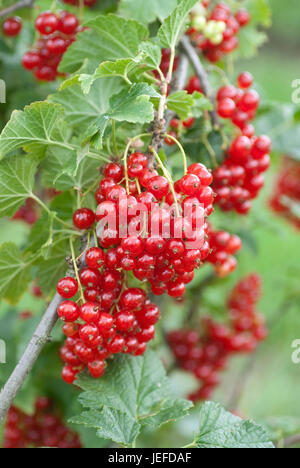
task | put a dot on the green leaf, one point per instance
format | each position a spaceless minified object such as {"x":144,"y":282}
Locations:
{"x":32,"y":128}
{"x":107,"y":38}
{"x":260,"y":11}
{"x":14,"y":273}
{"x":56,"y":174}
{"x":16,"y":183}
{"x":81,"y":109}
{"x":181,"y":102}
{"x":171,"y":30}
{"x":122,"y":68}
{"x":201,"y":103}
{"x":111,"y":424}
{"x":152,"y":54}
{"x":146,"y":11}
{"x":221,"y":429}
{"x":133,"y":393}
{"x":131,"y":105}
{"x":49,"y":270}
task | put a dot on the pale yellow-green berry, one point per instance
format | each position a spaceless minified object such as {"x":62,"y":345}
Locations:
{"x":217,"y":39}
{"x":220,"y":27}
{"x":210,"y":29}
{"x":199,"y":22}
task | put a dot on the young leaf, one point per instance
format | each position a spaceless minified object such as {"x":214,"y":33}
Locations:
{"x":147,"y":12}
{"x":107,"y":38}
{"x":134,"y":392}
{"x":31,"y":128}
{"x":170,"y":31}
{"x":221,"y":429}
{"x":14,"y":273}
{"x":16,"y":183}
{"x":131,"y":105}
{"x":152,"y":54}
{"x":181,"y":102}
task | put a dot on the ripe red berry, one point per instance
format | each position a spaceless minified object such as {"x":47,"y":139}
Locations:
{"x":158,"y":186}
{"x":47,"y":23}
{"x":226,"y":108}
{"x":95,"y":257}
{"x":84,"y":218}
{"x":68,"y":374}
{"x":190,"y":184}
{"x":11,"y":27}
{"x":90,"y":312}
{"x":97,"y":368}
{"x":90,"y":277}
{"x":67,"y":287}
{"x":31,"y":60}
{"x":243,"y":17}
{"x":68,"y":311}
{"x":114,"y":171}
{"x":133,"y":298}
{"x":88,"y":333}
{"x":68,"y":23}
{"x":245,"y":80}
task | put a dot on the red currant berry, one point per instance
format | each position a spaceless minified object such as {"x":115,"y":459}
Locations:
{"x":245,"y":80}
{"x":67,"y":287}
{"x":97,"y":368}
{"x":47,"y":23}
{"x":68,"y":311}
{"x":84,"y":218}
{"x":95,"y":257}
{"x":11,"y":27}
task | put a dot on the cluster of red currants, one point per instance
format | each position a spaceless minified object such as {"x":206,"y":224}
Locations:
{"x":57,"y":32}
{"x":42,"y":429}
{"x":112,"y":319}
{"x":206,"y":354}
{"x":240,"y":178}
{"x":11,"y":27}
{"x":217,"y":33}
{"x":286,"y":198}
{"x":223,"y":248}
{"x":167,"y":229}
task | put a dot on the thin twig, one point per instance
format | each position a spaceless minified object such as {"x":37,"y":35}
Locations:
{"x":16,"y":6}
{"x":201,"y":74}
{"x":160,"y":126}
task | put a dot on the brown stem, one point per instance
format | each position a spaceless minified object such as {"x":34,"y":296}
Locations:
{"x":16,"y":6}
{"x":201,"y":74}
{"x":162,"y":119}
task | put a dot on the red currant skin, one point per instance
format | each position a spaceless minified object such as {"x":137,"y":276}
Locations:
{"x":243,"y":17}
{"x":31,"y":60}
{"x":68,"y":24}
{"x":95,"y":257}
{"x":190,"y":184}
{"x":68,"y":311}
{"x":226,"y":108}
{"x":159,"y":187}
{"x":114,"y":171}
{"x":47,"y":23}
{"x":245,"y":80}
{"x":11,"y":27}
{"x":97,"y":368}
{"x":67,"y":287}
{"x":68,"y":374}
{"x":133,"y":298}
{"x":84,"y":218}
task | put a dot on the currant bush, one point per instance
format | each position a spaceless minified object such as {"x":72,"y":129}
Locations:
{"x":204,"y":351}
{"x":44,"y":428}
